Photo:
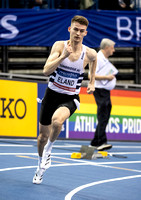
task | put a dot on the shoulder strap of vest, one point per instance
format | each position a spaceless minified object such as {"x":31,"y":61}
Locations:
{"x":83,"y":52}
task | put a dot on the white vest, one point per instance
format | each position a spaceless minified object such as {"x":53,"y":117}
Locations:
{"x":68,"y":76}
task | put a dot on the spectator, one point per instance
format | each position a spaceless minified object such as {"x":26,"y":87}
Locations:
{"x":87,"y":4}
{"x":37,"y":4}
{"x":136,"y":4}
{"x":115,"y":5}
{"x":125,"y":4}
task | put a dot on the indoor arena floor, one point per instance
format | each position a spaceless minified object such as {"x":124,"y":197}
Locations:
{"x":116,"y":177}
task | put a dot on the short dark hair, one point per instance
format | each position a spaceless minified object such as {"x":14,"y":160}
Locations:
{"x":80,"y":19}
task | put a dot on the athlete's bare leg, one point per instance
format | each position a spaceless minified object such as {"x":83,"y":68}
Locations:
{"x":44,"y":132}
{"x":58,"y":118}
{"x":49,"y":133}
{"x":52,"y":131}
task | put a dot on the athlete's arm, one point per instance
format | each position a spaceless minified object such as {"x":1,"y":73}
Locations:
{"x":92,"y":56}
{"x":56,"y":57}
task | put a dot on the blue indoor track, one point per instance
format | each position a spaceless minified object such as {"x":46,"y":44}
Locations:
{"x":111,"y":178}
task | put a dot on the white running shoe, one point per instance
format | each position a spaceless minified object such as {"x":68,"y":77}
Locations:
{"x":46,"y":161}
{"x":38,"y":177}
{"x":104,"y":146}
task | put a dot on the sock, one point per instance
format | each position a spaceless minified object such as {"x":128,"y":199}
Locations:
{"x":39,"y":160}
{"x":48,"y":146}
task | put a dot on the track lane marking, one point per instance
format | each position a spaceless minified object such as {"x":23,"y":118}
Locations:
{"x":53,"y":161}
{"x":15,"y":145}
{"x":76,"y":190}
{"x":30,"y":167}
{"x":69,"y":146}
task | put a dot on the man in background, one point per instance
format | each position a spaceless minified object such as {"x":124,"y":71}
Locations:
{"x":104,"y":82}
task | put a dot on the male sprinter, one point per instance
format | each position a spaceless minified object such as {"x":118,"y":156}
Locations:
{"x":65,"y":65}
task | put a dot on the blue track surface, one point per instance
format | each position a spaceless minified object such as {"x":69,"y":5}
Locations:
{"x":108,"y":178}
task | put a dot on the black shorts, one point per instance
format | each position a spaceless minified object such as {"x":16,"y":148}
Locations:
{"x":52,"y":101}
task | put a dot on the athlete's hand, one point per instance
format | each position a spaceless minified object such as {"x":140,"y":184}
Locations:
{"x":90,"y":88}
{"x":68,"y":50}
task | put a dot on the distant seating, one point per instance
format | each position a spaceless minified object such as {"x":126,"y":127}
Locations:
{"x":30,"y":60}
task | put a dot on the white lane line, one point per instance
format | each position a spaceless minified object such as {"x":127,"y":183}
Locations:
{"x":91,"y":162}
{"x":103,"y":164}
{"x":120,"y":162}
{"x":29,"y":167}
{"x":117,"y":147}
{"x":34,"y":154}
{"x":127,"y":147}
{"x":14,"y":139}
{"x":111,"y":153}
{"x":124,"y":153}
{"x":12,"y":154}
{"x":15,"y":168}
{"x":15,"y":145}
{"x":68,"y":146}
{"x":80,"y":163}
{"x":73,"y":192}
{"x":65,"y":165}
{"x":54,"y":146}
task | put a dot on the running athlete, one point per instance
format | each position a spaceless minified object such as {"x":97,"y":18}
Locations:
{"x":65,"y":65}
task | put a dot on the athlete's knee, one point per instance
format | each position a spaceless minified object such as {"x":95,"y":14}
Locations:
{"x":56,"y":122}
{"x":42,"y":138}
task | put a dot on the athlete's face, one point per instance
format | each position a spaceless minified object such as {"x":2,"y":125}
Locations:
{"x":77,"y":31}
